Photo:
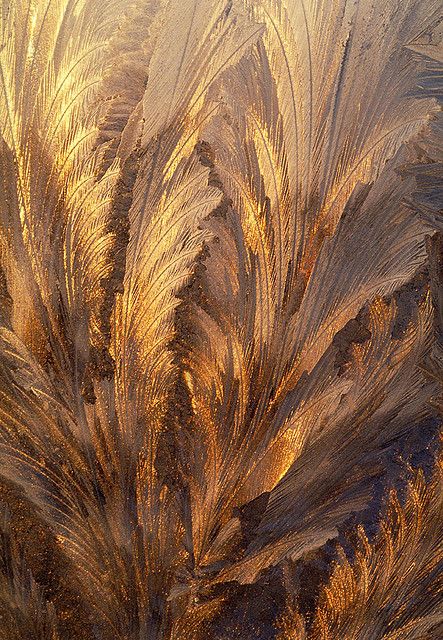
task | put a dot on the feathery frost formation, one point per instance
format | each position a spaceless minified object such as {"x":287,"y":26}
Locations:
{"x":221,"y":320}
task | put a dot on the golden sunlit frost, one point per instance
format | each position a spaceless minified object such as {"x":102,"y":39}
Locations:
{"x":391,"y":587}
{"x":360,"y":600}
{"x":220,"y":318}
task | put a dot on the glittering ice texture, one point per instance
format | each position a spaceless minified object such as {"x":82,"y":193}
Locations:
{"x":221,"y":320}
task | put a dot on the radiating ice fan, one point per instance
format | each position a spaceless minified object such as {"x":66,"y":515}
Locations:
{"x":221,"y":321}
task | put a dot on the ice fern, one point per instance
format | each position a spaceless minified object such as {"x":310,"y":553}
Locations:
{"x":221,"y":320}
